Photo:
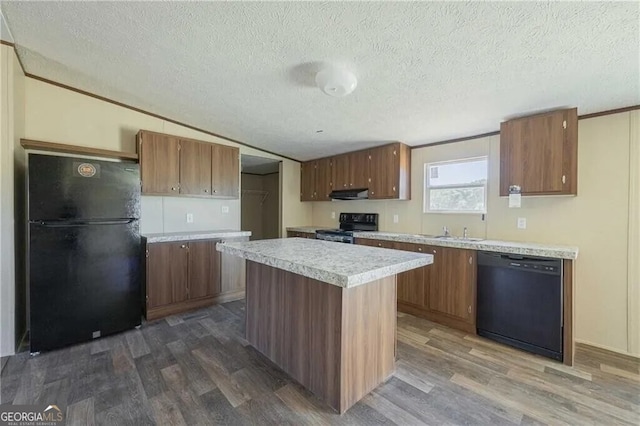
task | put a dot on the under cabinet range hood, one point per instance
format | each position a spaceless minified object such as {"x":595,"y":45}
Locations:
{"x":350,"y":194}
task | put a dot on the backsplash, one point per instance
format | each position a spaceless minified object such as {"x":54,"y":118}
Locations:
{"x":169,"y":214}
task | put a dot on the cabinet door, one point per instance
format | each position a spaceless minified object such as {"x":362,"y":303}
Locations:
{"x":411,"y":284}
{"x":384,"y":173}
{"x":167,"y":273}
{"x":323,"y":179}
{"x":195,"y":168}
{"x":536,"y":153}
{"x":204,"y":269}
{"x":308,"y":181}
{"x":451,"y":282}
{"x":358,"y":170}
{"x":159,"y":163}
{"x":340,"y":172}
{"x":225,"y":171}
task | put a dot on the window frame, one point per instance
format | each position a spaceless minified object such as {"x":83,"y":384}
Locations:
{"x":426,"y":207}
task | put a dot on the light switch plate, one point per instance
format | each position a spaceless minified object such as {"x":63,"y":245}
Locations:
{"x":396,"y":219}
{"x":189,"y":217}
{"x":333,"y":215}
{"x":225,"y":209}
{"x":522,"y":223}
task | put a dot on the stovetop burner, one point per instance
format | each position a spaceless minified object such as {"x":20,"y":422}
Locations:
{"x":349,"y":222}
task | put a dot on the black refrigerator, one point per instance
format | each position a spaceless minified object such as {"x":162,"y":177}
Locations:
{"x":84,"y":249}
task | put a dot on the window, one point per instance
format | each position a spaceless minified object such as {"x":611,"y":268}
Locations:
{"x":458,"y":186}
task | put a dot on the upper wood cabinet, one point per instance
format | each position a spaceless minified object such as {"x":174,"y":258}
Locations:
{"x":316,"y":180}
{"x":308,"y":181}
{"x":178,"y":166}
{"x":159,"y":158}
{"x":324,"y":175}
{"x":225,"y":171}
{"x":340,"y":171}
{"x":390,"y":172}
{"x":385,"y":171}
{"x":539,"y":153}
{"x":195,"y":168}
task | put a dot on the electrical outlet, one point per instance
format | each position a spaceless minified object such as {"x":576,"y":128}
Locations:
{"x":333,"y":215}
{"x":522,"y":223}
{"x":189,"y":217}
{"x":396,"y":219}
{"x":225,"y":209}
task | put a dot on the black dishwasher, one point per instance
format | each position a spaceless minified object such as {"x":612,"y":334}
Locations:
{"x":520,"y":302}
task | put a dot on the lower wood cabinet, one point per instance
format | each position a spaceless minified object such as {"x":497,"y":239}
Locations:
{"x":443,"y":292}
{"x":186,"y":275}
{"x":413,"y":285}
{"x":295,"y":234}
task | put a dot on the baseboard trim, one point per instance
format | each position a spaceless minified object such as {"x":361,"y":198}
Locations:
{"x":612,"y":351}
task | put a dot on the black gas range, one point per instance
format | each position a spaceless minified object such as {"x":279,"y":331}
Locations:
{"x":349,"y":222}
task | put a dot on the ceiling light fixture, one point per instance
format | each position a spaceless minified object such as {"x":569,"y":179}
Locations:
{"x":336,"y":82}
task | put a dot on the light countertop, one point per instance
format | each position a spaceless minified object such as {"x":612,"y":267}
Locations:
{"x":512,"y":247}
{"x":343,"y":265}
{"x":195,"y":235}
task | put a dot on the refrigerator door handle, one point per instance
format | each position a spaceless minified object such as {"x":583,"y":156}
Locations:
{"x":67,"y":224}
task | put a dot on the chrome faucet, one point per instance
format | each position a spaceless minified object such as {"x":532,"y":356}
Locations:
{"x":465,"y":233}
{"x":445,"y":231}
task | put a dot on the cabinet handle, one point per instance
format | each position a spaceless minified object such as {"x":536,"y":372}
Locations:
{"x":206,"y":190}
{"x":434,"y":251}
{"x":344,"y":185}
{"x":564,"y":179}
{"x":215,"y":190}
{"x":372,"y":192}
{"x":183,"y":246}
{"x":379,"y":244}
{"x":174,"y":188}
{"x":394,"y":189}
{"x":469,"y":309}
{"x":350,"y":184}
{"x":470,"y":260}
{"x":419,"y":248}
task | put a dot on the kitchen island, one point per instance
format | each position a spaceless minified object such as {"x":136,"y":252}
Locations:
{"x":324,"y":312}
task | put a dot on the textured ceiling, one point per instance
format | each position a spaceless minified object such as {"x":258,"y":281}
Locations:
{"x":427,"y":71}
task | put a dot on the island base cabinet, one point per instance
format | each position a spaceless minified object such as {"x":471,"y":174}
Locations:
{"x":339,"y":343}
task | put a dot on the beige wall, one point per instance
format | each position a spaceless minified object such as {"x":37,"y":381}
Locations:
{"x":11,"y":129}
{"x":59,"y":115}
{"x":597,"y":221}
{"x":292,"y":212}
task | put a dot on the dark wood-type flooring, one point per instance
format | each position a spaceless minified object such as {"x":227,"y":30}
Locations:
{"x":196,"y":368}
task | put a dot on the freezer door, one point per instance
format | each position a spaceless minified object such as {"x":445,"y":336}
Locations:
{"x":76,"y":188}
{"x":84,"y":281}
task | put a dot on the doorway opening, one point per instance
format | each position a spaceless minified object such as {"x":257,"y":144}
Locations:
{"x":260,"y":196}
